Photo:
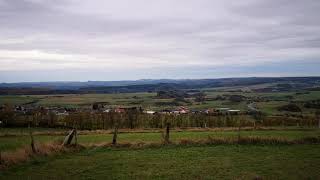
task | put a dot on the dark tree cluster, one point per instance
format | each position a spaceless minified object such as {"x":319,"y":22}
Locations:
{"x":200,"y":97}
{"x":172,"y":94}
{"x":237,"y":98}
{"x":290,"y":107}
{"x":313,"y":104}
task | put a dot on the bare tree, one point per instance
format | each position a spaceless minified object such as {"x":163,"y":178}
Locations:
{"x":318,"y":117}
{"x":75,"y":137}
{"x":239,"y":127}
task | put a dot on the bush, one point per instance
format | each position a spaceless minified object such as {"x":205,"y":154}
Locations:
{"x":313,"y":104}
{"x":236,"y":98}
{"x":290,"y":107}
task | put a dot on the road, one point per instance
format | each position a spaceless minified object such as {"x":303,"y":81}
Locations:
{"x":252,"y":107}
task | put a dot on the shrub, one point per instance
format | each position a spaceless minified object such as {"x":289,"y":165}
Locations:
{"x":236,"y":98}
{"x":290,"y":107}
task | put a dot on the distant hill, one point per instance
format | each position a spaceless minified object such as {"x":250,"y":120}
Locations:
{"x":151,"y":85}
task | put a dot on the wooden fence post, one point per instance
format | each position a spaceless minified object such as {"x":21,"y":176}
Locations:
{"x":0,"y":158}
{"x":32,"y":143}
{"x":76,"y":136}
{"x":239,"y":128}
{"x":115,"y":134}
{"x":167,"y":136}
{"x":69,"y":137}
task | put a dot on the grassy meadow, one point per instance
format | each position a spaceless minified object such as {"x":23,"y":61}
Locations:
{"x":147,"y":100}
{"x":14,"y":139}
{"x":177,"y":162}
{"x":173,"y":161}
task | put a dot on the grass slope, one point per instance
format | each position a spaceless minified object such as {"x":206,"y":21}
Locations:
{"x":9,"y":143}
{"x":177,"y":162}
{"x":150,"y":101}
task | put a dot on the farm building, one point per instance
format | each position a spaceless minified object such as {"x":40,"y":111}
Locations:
{"x":222,"y":110}
{"x":234,"y":111}
{"x":149,"y":112}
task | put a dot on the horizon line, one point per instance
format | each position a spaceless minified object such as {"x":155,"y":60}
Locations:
{"x":177,"y":79}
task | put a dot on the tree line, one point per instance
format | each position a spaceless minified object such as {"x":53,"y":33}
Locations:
{"x":133,"y":119}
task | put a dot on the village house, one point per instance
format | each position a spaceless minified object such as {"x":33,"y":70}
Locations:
{"x":119,"y":110}
{"x":182,"y":110}
{"x":107,"y":110}
{"x":196,"y":111}
{"x":222,"y":110}
{"x":166,"y":111}
{"x":127,"y":109}
{"x":149,"y":112}
{"x":61,"y":112}
{"x":234,"y":111}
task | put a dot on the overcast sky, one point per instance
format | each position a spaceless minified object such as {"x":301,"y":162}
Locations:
{"x":78,"y":40}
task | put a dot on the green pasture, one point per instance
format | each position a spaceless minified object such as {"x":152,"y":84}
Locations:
{"x":149,"y":100}
{"x":176,"y":162}
{"x":10,"y":143}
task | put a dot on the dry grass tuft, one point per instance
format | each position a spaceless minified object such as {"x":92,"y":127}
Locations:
{"x":213,"y":141}
{"x":187,"y":142}
{"x":20,"y":155}
{"x":24,"y":154}
{"x":252,"y":140}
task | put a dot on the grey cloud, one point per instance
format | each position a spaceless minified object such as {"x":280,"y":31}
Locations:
{"x":198,"y":32}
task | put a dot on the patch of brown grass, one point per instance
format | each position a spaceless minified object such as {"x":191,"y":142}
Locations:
{"x":251,"y":140}
{"x":21,"y":155}
{"x":24,"y":154}
{"x":213,"y":141}
{"x":151,"y":130}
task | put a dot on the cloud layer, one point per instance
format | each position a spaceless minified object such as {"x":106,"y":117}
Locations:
{"x":126,"y":37}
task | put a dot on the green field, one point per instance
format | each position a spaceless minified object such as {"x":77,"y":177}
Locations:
{"x":174,"y":161}
{"x":8,"y":143}
{"x":177,"y":162}
{"x":299,"y":161}
{"x":149,"y":100}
